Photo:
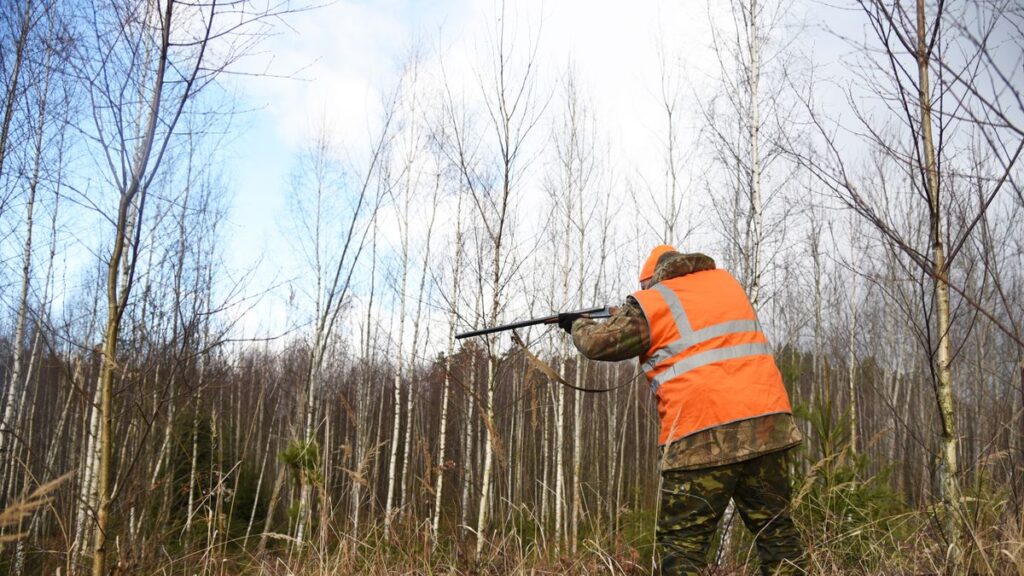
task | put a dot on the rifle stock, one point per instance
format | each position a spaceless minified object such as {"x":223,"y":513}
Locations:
{"x":599,"y":312}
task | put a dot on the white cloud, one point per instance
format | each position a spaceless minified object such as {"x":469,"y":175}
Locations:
{"x":351,"y":52}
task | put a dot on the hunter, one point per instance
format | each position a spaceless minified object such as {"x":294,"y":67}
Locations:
{"x":726,"y":420}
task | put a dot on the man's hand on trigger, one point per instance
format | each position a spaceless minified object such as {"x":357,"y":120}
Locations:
{"x":566,"y":324}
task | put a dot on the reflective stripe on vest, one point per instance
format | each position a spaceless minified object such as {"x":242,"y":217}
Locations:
{"x":689,"y":337}
{"x":709,"y":357}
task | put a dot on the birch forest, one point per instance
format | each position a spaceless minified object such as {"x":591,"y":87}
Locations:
{"x":170,"y":408}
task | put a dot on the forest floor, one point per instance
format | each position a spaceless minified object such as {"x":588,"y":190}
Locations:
{"x":906,"y":543}
{"x":851,"y":524}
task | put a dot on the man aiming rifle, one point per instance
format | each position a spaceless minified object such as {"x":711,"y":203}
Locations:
{"x":726,"y":419}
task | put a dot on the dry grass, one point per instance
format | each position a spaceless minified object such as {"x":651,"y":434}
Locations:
{"x":843,"y":535}
{"x":410,"y":551}
{"x":24,"y":507}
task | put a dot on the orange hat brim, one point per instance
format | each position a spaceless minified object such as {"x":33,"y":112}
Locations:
{"x":647,"y":272}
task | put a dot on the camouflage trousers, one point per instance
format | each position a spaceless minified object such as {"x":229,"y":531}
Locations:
{"x":693,"y":502}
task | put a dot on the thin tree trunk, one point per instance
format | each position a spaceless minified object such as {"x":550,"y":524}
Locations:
{"x":452,"y":317}
{"x":327,"y":467}
{"x":851,"y":362}
{"x":756,"y":209}
{"x":87,"y":488}
{"x":410,"y":398}
{"x":129,"y":209}
{"x":12,"y":88}
{"x":949,"y":469}
{"x":577,"y":443}
{"x":397,"y":422}
{"x":193,"y":468}
{"x":362,"y":435}
{"x":268,"y":524}
{"x":485,"y":490}
{"x":256,"y":497}
{"x":12,"y":406}
{"x":467,"y":449}
{"x":559,"y":452}
{"x":546,"y":458}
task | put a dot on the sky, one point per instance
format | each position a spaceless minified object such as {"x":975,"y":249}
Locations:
{"x":342,"y":58}
{"x":334,"y":64}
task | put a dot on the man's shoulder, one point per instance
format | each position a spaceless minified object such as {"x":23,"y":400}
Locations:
{"x":630,"y":308}
{"x":678,"y":264}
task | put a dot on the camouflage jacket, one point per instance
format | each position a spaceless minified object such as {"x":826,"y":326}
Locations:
{"x":626,"y":335}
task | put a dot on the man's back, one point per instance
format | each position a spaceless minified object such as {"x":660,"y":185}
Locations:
{"x":725,"y":415}
{"x":708,"y":363}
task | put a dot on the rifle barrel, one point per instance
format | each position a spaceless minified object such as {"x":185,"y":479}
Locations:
{"x":598,"y":312}
{"x":512,"y":326}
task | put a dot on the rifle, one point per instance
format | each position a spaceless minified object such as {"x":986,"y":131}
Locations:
{"x":599,"y":312}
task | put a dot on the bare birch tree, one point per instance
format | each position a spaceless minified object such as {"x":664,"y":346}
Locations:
{"x":912,"y":47}
{"x":512,"y":110}
{"x":334,"y":269}
{"x":671,"y":218}
{"x":143,"y":71}
{"x":570,"y":189}
{"x":744,"y":120}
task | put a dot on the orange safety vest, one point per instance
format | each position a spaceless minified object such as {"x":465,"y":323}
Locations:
{"x":709,"y":363}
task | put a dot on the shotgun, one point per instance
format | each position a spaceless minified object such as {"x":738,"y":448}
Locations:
{"x":599,"y":312}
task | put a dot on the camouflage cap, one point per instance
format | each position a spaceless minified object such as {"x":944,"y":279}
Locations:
{"x":652,"y":261}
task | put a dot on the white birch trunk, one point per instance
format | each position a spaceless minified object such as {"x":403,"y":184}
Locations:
{"x":485,"y":490}
{"x":88,"y":497}
{"x":14,"y":387}
{"x":577,"y":443}
{"x":18,"y":382}
{"x":851,"y":361}
{"x":559,"y":452}
{"x":467,"y":449}
{"x":756,"y":208}
{"x":753,"y":72}
{"x":193,"y":470}
{"x":545,"y":476}
{"x":581,"y":179}
{"x":410,"y":398}
{"x":12,"y":406}
{"x":439,"y":481}
{"x":362,"y":434}
{"x":397,"y":422}
{"x":302,"y":516}
{"x":452,"y":317}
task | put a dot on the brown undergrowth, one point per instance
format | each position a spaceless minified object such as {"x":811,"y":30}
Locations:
{"x":900,"y":544}
{"x":852,"y":523}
